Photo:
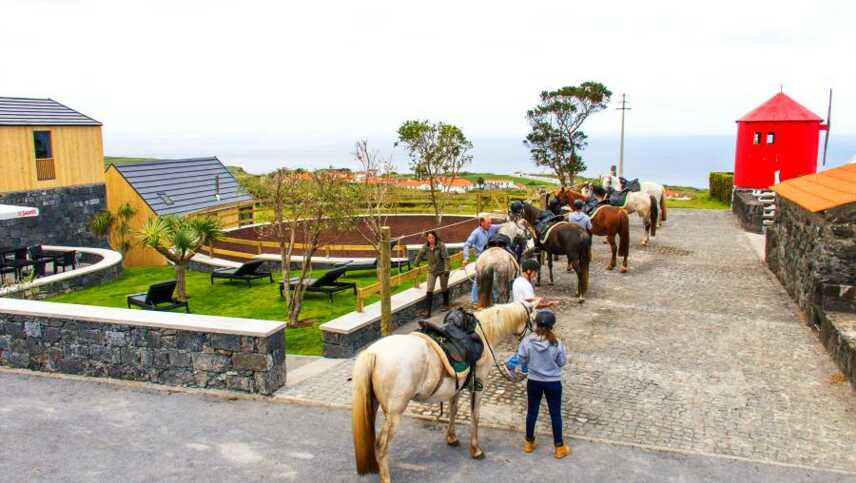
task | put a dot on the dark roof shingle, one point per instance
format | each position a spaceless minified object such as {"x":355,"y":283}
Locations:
{"x":21,"y":111}
{"x":181,"y":186}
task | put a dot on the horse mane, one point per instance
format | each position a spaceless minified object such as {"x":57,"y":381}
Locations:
{"x":499,"y":321}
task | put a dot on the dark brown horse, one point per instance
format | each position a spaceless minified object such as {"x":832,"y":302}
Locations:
{"x":564,"y":239}
{"x":607,"y":221}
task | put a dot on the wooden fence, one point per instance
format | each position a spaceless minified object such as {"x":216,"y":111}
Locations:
{"x":415,"y":274}
{"x":399,"y":249}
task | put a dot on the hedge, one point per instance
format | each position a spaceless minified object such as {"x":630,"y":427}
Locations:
{"x":721,"y":184}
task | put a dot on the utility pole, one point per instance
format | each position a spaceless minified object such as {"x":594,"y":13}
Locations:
{"x":622,"y":108}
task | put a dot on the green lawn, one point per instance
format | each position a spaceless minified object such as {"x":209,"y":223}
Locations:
{"x":234,"y":299}
{"x":699,"y":198}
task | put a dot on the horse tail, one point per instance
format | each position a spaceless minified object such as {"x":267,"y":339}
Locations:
{"x":485,"y":285}
{"x":623,"y":233}
{"x":363,"y":413}
{"x":655,"y":215}
{"x":663,"y":204}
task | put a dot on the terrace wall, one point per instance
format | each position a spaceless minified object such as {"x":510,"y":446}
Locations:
{"x":814,"y":256}
{"x":749,"y":211}
{"x":63,"y":219}
{"x":165,"y":348}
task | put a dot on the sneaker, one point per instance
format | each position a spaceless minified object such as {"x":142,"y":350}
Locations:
{"x":528,"y":446}
{"x":561,"y":451}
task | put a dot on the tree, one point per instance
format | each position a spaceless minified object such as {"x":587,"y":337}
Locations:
{"x":437,"y":153}
{"x":556,"y":139}
{"x":303,"y":206}
{"x":105,"y":224}
{"x":329,"y":205}
{"x":179,"y":239}
{"x":480,"y":182}
{"x":375,"y":192}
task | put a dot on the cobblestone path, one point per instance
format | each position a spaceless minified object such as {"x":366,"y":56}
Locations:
{"x":698,"y":349}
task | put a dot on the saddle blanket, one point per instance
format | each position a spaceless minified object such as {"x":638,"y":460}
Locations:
{"x":447,"y":364}
{"x":596,"y":208}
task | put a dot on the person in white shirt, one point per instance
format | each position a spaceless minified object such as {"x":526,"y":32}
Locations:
{"x":523,"y":291}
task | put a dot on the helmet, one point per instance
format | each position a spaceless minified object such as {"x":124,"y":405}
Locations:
{"x":545,"y":319}
{"x":578,"y":204}
{"x":516,"y":207}
{"x":530,"y":265}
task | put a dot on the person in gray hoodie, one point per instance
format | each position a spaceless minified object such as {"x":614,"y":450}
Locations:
{"x":545,"y":355}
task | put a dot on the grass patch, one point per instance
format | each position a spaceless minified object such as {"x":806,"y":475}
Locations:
{"x":699,"y":199}
{"x":235,"y":299}
{"x":108,"y":160}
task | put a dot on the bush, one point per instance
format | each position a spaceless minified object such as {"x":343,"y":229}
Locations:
{"x":721,"y":184}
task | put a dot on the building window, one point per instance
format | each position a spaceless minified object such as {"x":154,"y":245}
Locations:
{"x":771,"y":137}
{"x":45,"y":169}
{"x":245,"y":215}
{"x":756,"y":138}
{"x":165,"y":198}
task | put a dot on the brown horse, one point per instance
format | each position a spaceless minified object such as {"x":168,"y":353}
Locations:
{"x":607,"y":221}
{"x":564,"y":239}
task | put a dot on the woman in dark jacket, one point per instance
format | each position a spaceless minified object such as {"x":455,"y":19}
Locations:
{"x":435,"y":252}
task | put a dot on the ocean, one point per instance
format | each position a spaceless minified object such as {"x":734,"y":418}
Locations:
{"x":673,"y":160}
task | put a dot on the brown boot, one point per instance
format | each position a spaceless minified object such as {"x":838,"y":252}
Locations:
{"x":528,"y":446}
{"x":429,"y":301}
{"x":445,"y":307}
{"x":561,"y":451}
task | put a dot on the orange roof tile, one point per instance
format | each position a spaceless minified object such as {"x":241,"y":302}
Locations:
{"x":821,"y":191}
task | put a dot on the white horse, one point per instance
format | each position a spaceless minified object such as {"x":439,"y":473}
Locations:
{"x":517,"y":232}
{"x":643,"y":204}
{"x":496,"y":270}
{"x":402,"y":368}
{"x":656,"y":190}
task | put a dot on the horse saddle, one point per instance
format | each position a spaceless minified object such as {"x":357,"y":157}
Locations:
{"x":632,"y":185}
{"x":502,"y":241}
{"x":590,"y":204}
{"x":617,"y":198}
{"x":543,"y":224}
{"x":457,"y":337}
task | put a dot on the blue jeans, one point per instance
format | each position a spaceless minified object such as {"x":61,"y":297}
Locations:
{"x":534,"y":391}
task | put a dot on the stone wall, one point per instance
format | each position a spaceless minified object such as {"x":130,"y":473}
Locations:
{"x":749,"y":211}
{"x":63,"y":219}
{"x":814,"y":256}
{"x":339,"y":345}
{"x":159,"y":355}
{"x":838,"y":335}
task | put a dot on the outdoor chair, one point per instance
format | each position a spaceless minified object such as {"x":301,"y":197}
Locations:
{"x":371,"y":264}
{"x":68,"y":259}
{"x":40,"y":260}
{"x":327,"y":283}
{"x":159,"y":297}
{"x":4,"y":269}
{"x":247,"y":271}
{"x":20,"y":261}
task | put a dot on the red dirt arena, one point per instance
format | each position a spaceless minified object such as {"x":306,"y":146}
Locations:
{"x":453,"y":229}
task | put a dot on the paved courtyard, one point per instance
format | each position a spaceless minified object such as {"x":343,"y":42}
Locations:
{"x":697,"y":349}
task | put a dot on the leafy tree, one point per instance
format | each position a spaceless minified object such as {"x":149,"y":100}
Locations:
{"x":556,"y":139}
{"x":179,"y":239}
{"x":303,"y":206}
{"x":437,"y":153}
{"x":375,"y":192}
{"x":480,"y":182}
{"x":105,"y":224}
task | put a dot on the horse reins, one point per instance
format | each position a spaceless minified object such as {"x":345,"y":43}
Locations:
{"x":527,"y":328}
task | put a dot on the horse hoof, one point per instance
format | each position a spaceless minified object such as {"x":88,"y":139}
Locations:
{"x":477,"y":455}
{"x":453,"y":441}
{"x":611,"y":267}
{"x":581,"y":300}
{"x":623,"y":269}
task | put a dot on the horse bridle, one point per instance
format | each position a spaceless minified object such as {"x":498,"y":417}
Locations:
{"x":527,"y":328}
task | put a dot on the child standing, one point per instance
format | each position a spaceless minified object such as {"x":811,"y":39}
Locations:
{"x":545,"y":356}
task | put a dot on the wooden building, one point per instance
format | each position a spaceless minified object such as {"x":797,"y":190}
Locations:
{"x":51,"y":159}
{"x":183,"y":187}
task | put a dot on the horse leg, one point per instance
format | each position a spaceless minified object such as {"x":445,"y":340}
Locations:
{"x":475,"y":452}
{"x":550,"y":266}
{"x":451,"y":439}
{"x":382,"y":446}
{"x":645,"y":228}
{"x":613,"y":248}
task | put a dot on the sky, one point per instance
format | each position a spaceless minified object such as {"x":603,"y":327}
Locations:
{"x":213,"y":69}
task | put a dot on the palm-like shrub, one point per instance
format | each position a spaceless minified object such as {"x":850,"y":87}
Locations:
{"x":179,"y":239}
{"x":104,"y":223}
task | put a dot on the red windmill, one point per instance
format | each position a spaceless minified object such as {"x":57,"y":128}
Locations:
{"x":775,"y":142}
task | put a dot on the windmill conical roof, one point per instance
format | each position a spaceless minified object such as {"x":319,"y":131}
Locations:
{"x":780,"y":108}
